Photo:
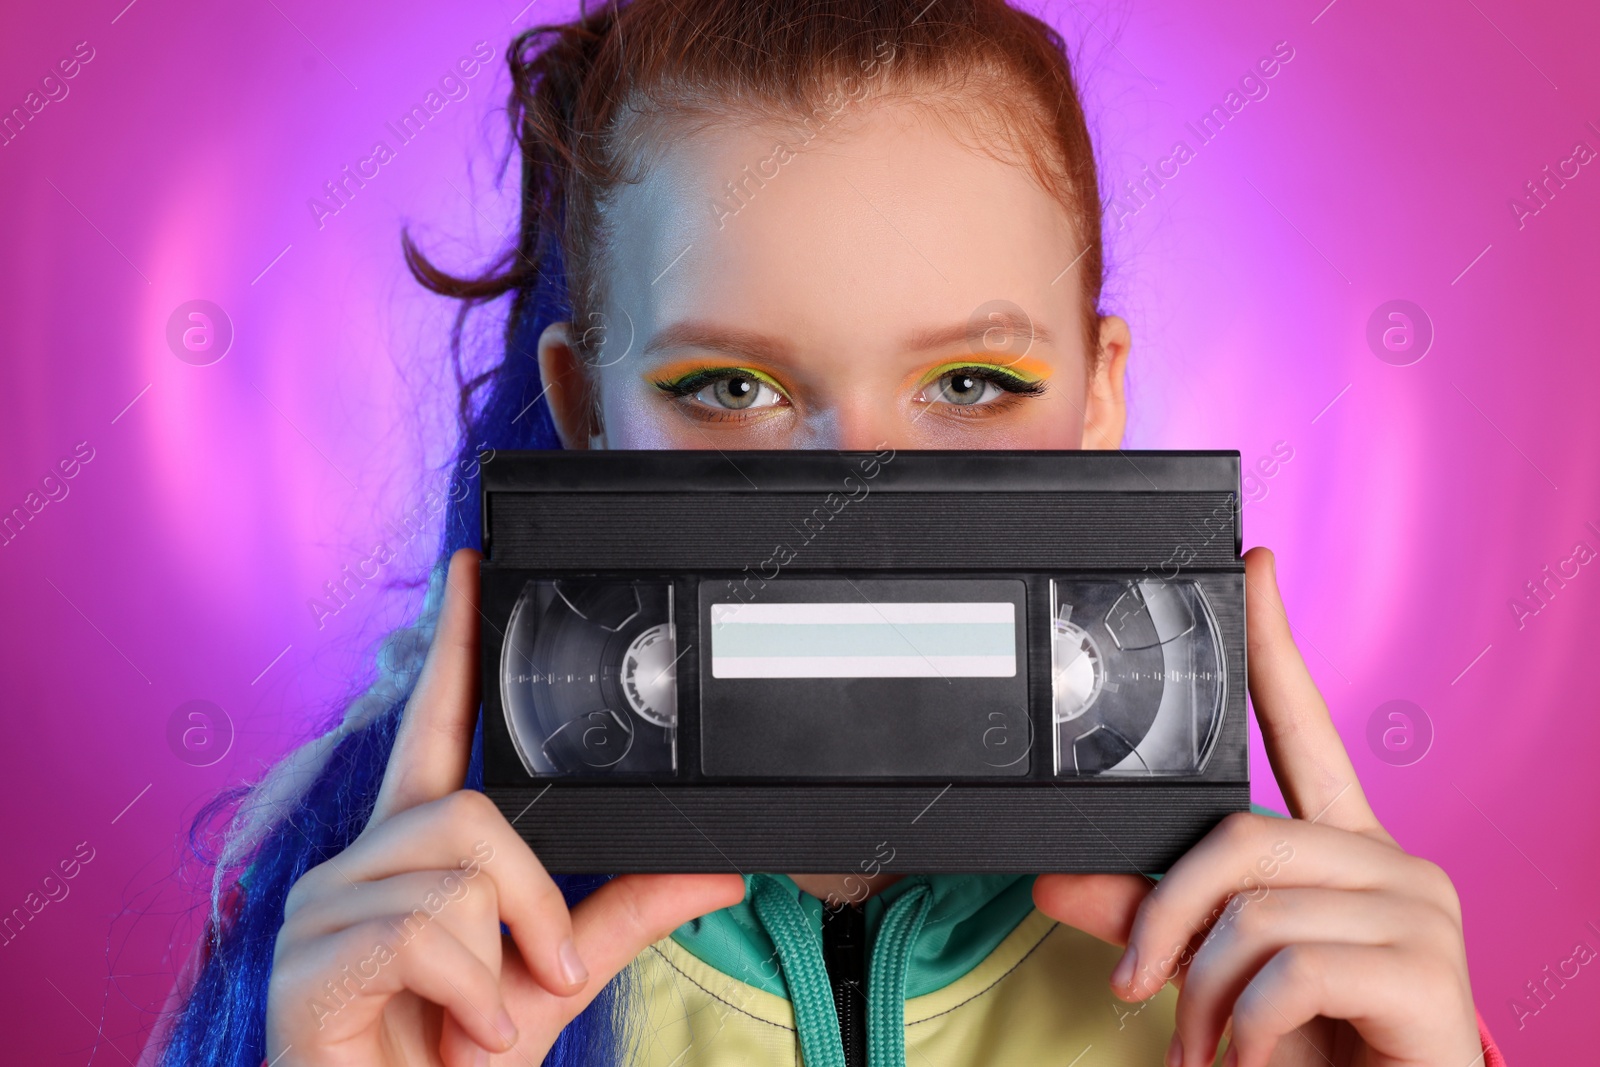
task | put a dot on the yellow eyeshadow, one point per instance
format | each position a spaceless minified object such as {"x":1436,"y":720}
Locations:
{"x":1024,"y":367}
{"x":683,"y":368}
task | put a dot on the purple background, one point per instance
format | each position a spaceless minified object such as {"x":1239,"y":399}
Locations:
{"x":1417,"y":503}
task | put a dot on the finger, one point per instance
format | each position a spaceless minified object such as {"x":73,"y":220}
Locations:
{"x":458,"y":1049}
{"x":1310,"y":762}
{"x":466,"y":831}
{"x":1101,"y":905}
{"x":468,"y":907}
{"x":612,"y":926}
{"x":1253,"y":929}
{"x":1244,"y":854}
{"x":1401,"y":1008}
{"x":629,"y":913}
{"x":350,"y":977}
{"x":434,"y":743}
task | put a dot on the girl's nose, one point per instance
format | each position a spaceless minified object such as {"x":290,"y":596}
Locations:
{"x":858,"y":424}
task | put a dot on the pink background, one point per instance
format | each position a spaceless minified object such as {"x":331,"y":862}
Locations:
{"x":1417,"y":503}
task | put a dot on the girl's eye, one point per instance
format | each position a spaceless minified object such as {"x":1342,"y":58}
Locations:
{"x":724,"y":389}
{"x":965,"y":389}
{"x":968,"y":387}
{"x":739,"y":391}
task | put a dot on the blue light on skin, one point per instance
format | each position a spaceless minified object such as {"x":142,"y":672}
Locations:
{"x":841,"y":298}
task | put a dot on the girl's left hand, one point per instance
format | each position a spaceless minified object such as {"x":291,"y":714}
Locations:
{"x":1318,"y":937}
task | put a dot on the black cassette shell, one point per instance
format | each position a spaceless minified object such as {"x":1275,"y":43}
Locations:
{"x":740,"y":524}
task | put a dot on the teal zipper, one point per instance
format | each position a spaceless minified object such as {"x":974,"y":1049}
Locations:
{"x":805,"y":972}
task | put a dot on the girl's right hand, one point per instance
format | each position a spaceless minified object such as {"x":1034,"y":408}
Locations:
{"x":392,"y":952}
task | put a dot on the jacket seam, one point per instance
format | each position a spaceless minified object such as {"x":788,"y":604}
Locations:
{"x":991,"y":985}
{"x":720,"y":1000}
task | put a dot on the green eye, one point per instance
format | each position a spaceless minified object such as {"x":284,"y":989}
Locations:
{"x":979,"y":385}
{"x":965,"y":389}
{"x":737,"y":391}
{"x":724,"y":389}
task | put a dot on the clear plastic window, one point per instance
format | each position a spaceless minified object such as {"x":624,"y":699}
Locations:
{"x":1137,"y":676}
{"x":588,"y":677}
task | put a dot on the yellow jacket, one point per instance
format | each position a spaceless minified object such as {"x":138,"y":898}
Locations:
{"x":961,"y":969}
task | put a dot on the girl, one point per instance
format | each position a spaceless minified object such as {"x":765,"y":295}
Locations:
{"x":800,"y":224}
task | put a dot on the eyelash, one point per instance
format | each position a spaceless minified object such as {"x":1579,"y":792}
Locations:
{"x":1014,"y":384}
{"x":680,"y":388}
{"x":1017,"y":387}
{"x":695,"y":381}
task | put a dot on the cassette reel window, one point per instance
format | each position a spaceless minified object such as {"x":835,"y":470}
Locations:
{"x":588,"y":677}
{"x":1137,"y":677}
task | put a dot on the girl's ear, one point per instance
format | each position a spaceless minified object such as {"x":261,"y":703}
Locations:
{"x":567,"y":387}
{"x":1105,"y":414}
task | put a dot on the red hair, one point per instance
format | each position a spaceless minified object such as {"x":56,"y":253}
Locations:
{"x":586,"y":94}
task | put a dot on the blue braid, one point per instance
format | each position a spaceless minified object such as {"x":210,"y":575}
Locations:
{"x":222,"y":1022}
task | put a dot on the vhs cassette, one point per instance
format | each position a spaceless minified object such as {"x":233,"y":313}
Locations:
{"x":987,"y":661}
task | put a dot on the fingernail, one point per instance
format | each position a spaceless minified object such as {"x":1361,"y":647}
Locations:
{"x":1175,"y":1052}
{"x":507,"y":1028}
{"x":480,"y":1057}
{"x":572,"y":968}
{"x":1122,"y":977}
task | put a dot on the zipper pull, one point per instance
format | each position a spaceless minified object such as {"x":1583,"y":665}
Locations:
{"x":844,"y":952}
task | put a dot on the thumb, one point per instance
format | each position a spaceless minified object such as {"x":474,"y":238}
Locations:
{"x":1307,"y":755}
{"x":631,"y":912}
{"x":610,"y":927}
{"x":1101,"y":905}
{"x":434,"y":743}
{"x":614,"y":924}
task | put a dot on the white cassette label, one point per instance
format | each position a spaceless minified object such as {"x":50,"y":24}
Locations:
{"x":864,"y":640}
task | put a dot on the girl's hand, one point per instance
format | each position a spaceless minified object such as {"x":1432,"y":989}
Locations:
{"x":1317,"y":939}
{"x":391,"y":952}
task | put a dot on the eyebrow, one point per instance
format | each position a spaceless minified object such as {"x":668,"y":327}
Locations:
{"x":746,"y":344}
{"x":754,"y":345}
{"x":1016,"y":323}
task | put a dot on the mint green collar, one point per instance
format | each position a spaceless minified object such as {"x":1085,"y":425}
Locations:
{"x":924,"y":932}
{"x":968,"y":915}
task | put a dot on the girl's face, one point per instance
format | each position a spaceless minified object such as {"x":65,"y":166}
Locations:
{"x":882,"y":285}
